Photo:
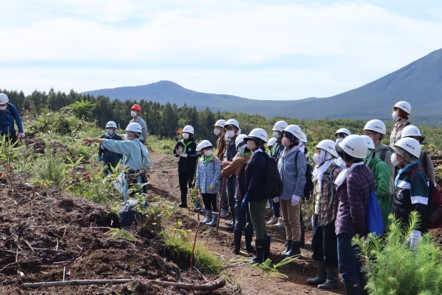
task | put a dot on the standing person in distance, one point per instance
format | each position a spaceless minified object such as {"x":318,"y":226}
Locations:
{"x":220,"y":132}
{"x":254,"y":200}
{"x":8,"y":115}
{"x":207,"y":180}
{"x":340,"y":134}
{"x":270,"y":144}
{"x":110,"y":159}
{"x":185,"y":150}
{"x":292,"y":165}
{"x":232,"y":131}
{"x":278,"y":129}
{"x":401,"y":112}
{"x":354,"y":184}
{"x":135,"y":112}
{"x":376,"y":130}
{"x":325,"y":204}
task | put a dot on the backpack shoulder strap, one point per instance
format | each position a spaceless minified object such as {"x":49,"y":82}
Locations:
{"x":415,"y":170}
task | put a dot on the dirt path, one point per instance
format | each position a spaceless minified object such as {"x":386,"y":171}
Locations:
{"x":242,"y":277}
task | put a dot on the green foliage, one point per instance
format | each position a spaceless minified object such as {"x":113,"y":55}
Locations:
{"x":50,"y":169}
{"x":268,"y":269}
{"x":116,"y":233}
{"x":82,"y":109}
{"x":58,"y":122}
{"x":392,"y":268}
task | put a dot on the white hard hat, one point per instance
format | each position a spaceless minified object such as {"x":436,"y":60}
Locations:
{"x":369,"y":141}
{"x":328,"y":146}
{"x":354,"y":145}
{"x":188,"y":129}
{"x":3,"y":98}
{"x":232,"y":122}
{"x":376,"y":126}
{"x":304,"y":137}
{"x":240,"y":139}
{"x":410,"y":145}
{"x":111,"y":124}
{"x":295,"y":130}
{"x":411,"y":131}
{"x":343,"y":130}
{"x":203,"y":144}
{"x":272,"y":141}
{"x":134,"y":127}
{"x":257,"y":133}
{"x":279,"y":126}
{"x":403,"y":105}
{"x":220,"y":123}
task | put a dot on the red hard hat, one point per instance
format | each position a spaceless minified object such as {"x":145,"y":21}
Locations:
{"x":136,"y":107}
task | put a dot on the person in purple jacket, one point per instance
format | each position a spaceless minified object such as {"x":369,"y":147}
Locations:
{"x":354,"y":185}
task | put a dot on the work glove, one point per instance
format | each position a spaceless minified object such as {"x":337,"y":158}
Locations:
{"x":183,"y":155}
{"x":245,"y":202}
{"x":295,"y":200}
{"x":100,"y":158}
{"x":276,"y":200}
{"x":21,"y":135}
{"x":212,"y":188}
{"x":414,"y":239}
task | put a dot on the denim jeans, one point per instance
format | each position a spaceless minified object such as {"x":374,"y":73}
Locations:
{"x":348,"y":260}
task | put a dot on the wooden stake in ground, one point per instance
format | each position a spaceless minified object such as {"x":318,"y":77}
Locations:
{"x":219,"y":203}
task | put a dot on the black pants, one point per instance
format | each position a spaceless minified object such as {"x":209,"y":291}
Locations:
{"x":324,"y":245}
{"x":209,"y":201}
{"x":231,"y":183}
{"x":10,"y":138}
{"x":186,"y":180}
{"x":242,"y":217}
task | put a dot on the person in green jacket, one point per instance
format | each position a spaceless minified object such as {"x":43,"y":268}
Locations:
{"x":383,"y":178}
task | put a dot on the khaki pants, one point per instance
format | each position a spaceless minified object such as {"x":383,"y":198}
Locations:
{"x":291,"y":220}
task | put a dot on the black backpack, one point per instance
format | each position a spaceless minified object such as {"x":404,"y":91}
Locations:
{"x":273,"y":185}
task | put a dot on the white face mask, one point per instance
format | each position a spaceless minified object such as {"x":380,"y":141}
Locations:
{"x":276,"y":134}
{"x":285,"y":142}
{"x":208,"y":153}
{"x":317,"y":159}
{"x":186,"y":135}
{"x":110,"y":131}
{"x":3,"y":108}
{"x":230,"y":134}
{"x":395,"y":115}
{"x":394,"y":159}
{"x":338,"y":140}
{"x":133,"y":114}
{"x":216,"y":131}
{"x":125,"y":136}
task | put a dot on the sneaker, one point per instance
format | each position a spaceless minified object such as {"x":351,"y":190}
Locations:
{"x":280,"y":222}
{"x":273,"y":220}
{"x":224,"y":213}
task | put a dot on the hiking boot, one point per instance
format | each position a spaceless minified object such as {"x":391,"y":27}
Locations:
{"x":224,"y":213}
{"x":272,"y":220}
{"x":353,"y":289}
{"x":332,"y":279}
{"x":266,"y":249}
{"x":237,"y":241}
{"x":320,"y":277}
{"x":214,"y":220}
{"x":208,"y":217}
{"x":248,"y":234}
{"x":288,"y":247}
{"x":280,"y":222}
{"x":182,"y":205}
{"x":259,"y":252}
{"x":294,"y":249}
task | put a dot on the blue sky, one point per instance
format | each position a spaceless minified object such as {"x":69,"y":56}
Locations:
{"x":254,"y":49}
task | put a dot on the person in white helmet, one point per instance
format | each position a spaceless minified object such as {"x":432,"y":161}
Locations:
{"x":325,"y":204}
{"x":254,"y":200}
{"x":136,"y":163}
{"x":185,"y":150}
{"x":9,"y":117}
{"x":110,"y":159}
{"x":340,"y":134}
{"x":270,"y":144}
{"x":376,"y":130}
{"x":243,"y":220}
{"x":401,"y":112}
{"x":425,"y":159}
{"x":292,"y":165}
{"x":354,"y":185}
{"x":232,"y":131}
{"x":207,"y":180}
{"x":411,"y":187}
{"x":220,"y":132}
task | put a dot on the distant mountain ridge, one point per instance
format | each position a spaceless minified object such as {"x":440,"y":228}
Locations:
{"x":420,"y":83}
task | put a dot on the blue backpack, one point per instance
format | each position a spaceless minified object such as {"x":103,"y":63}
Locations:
{"x":373,"y":219}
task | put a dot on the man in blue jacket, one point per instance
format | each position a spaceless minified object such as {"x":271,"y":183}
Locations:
{"x":9,"y":114}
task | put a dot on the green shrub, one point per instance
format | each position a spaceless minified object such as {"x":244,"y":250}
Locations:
{"x":392,"y":268}
{"x":50,"y":169}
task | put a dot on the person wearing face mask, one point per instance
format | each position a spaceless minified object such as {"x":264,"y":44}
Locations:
{"x":185,"y":150}
{"x":383,"y":179}
{"x":411,"y":187}
{"x":354,"y":184}
{"x":207,"y":180}
{"x":232,"y":130}
{"x":292,"y":165}
{"x":325,"y":204}
{"x":110,"y":159}
{"x":278,"y":128}
{"x":135,"y":112}
{"x":340,"y":134}
{"x":8,"y":115}
{"x":401,"y":112}
{"x":243,"y":221}
{"x":220,"y":132}
{"x":376,"y":130}
{"x":254,"y":200}
{"x":425,"y":159}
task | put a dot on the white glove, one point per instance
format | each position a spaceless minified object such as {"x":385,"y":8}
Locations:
{"x":414,"y":239}
{"x":295,"y":200}
{"x":276,"y":200}
{"x":21,"y":135}
{"x":183,"y":155}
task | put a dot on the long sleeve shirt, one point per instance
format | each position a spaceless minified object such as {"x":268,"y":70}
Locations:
{"x":256,"y":173}
{"x":7,"y":118}
{"x":207,"y":174}
{"x":143,"y":124}
{"x":383,"y":184}
{"x":292,"y":165}
{"x":108,"y":156}
{"x":325,"y":196}
{"x":187,"y":164}
{"x":396,"y":133}
{"x":135,"y":154}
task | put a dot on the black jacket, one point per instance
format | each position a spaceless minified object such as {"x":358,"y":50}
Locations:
{"x":108,"y":156}
{"x":256,"y":173}
{"x":189,"y":147}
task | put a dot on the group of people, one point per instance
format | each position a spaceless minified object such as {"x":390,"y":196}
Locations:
{"x":346,"y":171}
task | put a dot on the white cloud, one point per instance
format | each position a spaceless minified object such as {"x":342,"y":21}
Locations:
{"x":247,"y":48}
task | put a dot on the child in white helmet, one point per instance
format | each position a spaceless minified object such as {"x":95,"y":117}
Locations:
{"x":110,"y":159}
{"x":207,"y":180}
